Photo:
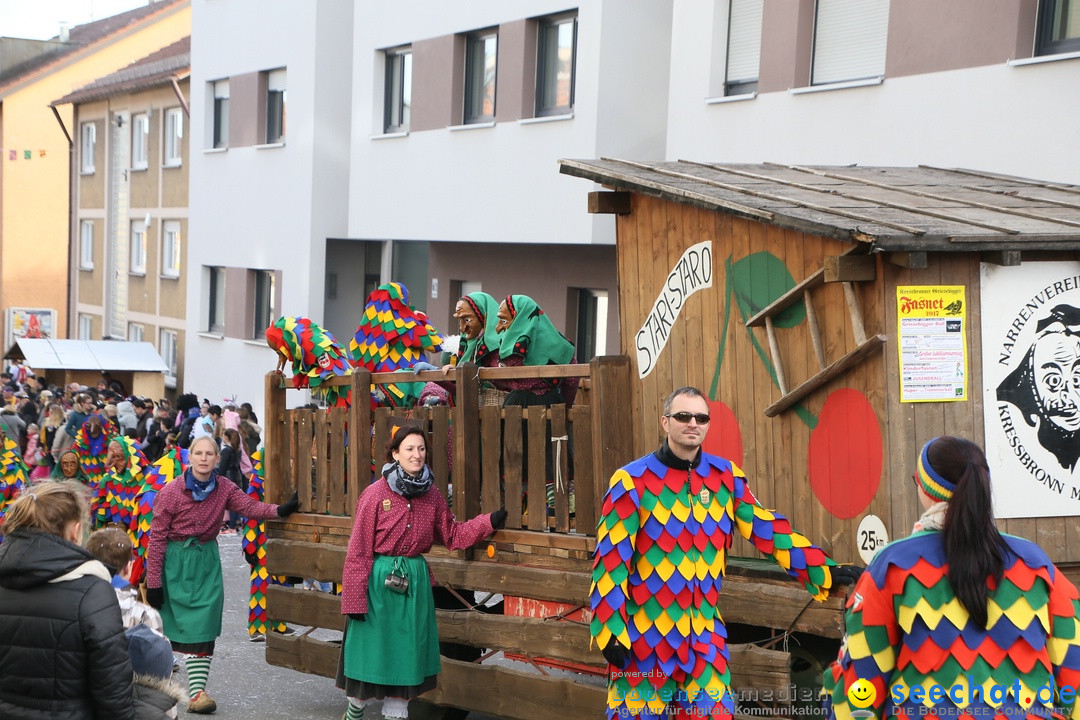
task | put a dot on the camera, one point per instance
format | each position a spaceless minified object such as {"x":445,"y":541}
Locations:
{"x":397,"y":583}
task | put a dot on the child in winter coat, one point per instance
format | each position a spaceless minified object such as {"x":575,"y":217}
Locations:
{"x":113,"y":547}
{"x":156,"y":695}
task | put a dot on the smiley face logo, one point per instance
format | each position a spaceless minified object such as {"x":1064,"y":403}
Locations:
{"x":861,"y":694}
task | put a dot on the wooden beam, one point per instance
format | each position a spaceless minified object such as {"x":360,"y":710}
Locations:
{"x":855,"y":313}
{"x":303,"y":653}
{"x":838,"y":368}
{"x":274,"y":472}
{"x":815,"y":329}
{"x":850,"y":268}
{"x":523,"y":635}
{"x":1006,"y":258}
{"x":609,"y":202}
{"x":791,"y":297}
{"x":774,"y":355}
{"x":303,"y":607}
{"x":912,"y":260}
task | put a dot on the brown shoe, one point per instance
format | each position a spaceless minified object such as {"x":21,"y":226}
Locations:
{"x":202,"y":704}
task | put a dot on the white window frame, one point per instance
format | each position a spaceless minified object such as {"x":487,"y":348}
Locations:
{"x":215,"y":300}
{"x":135,"y":332}
{"x":473,"y":73}
{"x":397,"y":90}
{"x":138,"y":248}
{"x":174,"y":136}
{"x":264,"y":296}
{"x":167,"y":350}
{"x":86,"y":244}
{"x":86,"y":326}
{"x":275,"y":85}
{"x":850,"y":38}
{"x":545,"y":80}
{"x":219,"y":114}
{"x":87,"y":147}
{"x":140,"y":141}
{"x":743,"y":62}
{"x":170,"y":249}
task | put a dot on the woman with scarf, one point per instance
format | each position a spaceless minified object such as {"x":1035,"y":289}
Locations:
{"x":527,"y":337}
{"x":985,"y":617}
{"x":391,"y":646}
{"x":183,"y":573}
{"x":68,"y":467}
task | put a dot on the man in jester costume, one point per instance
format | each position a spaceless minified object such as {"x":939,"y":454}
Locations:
{"x":392,"y":335}
{"x":958,"y":619}
{"x":666,"y":524}
{"x":91,"y":444}
{"x":315,"y":356}
{"x":252,"y":543}
{"x":124,"y":476}
{"x":164,"y":470}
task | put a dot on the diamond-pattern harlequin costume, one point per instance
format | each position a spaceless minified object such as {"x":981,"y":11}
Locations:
{"x":92,"y":452}
{"x":252,"y":543}
{"x":661,"y":551}
{"x":393,"y":336}
{"x":906,"y":628}
{"x":164,"y":470}
{"x":13,"y":475}
{"x":315,"y":356}
{"x":118,"y":488}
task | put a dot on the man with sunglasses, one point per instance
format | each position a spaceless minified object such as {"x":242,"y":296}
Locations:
{"x":666,"y":524}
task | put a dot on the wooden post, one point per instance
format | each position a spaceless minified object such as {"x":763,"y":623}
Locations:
{"x":612,"y":432}
{"x":467,"y":442}
{"x":275,"y":475}
{"x":359,"y":437}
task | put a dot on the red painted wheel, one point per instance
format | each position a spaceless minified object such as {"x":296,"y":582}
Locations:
{"x":845,"y":454}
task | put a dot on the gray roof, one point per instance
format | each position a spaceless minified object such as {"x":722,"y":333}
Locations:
{"x":154,"y":70}
{"x":890,"y":208}
{"x":87,"y":355}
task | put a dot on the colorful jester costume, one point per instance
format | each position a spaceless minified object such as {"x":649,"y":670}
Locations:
{"x":92,"y":452}
{"x":393,"y":336}
{"x":116,"y":493}
{"x":661,"y":553}
{"x":165,"y":469}
{"x":252,"y":543}
{"x":13,"y":475}
{"x":315,"y":356}
{"x":906,"y":628}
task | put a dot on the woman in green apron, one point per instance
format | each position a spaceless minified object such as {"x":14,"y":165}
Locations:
{"x":391,"y":646}
{"x":183,"y":574}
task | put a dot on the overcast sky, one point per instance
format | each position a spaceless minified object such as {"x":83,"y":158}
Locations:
{"x":40,"y":19}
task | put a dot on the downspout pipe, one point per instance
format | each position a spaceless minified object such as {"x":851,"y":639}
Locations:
{"x":71,"y":216}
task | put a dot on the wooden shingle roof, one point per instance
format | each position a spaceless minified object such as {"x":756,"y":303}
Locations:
{"x":890,"y":208}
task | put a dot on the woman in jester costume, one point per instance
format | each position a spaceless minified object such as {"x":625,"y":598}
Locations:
{"x":315,"y":356}
{"x":13,"y":475}
{"x":985,"y":616}
{"x":165,"y":469}
{"x":666,"y":524}
{"x":124,"y":477}
{"x":252,"y":542}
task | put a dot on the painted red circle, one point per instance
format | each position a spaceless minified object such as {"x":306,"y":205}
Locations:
{"x":845,"y":454}
{"x":723,"y":438}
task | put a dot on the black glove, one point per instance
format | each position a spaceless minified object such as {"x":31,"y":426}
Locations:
{"x":359,"y":617}
{"x":287,"y":509}
{"x":846,"y":574}
{"x":155,"y":597}
{"x":616,"y":655}
{"x":498,"y":519}
{"x":252,"y":556}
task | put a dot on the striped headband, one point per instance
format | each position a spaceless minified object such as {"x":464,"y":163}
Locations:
{"x":931,"y":482}
{"x":480,"y":314}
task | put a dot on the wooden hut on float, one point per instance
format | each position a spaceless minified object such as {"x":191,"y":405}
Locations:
{"x":840,"y":317}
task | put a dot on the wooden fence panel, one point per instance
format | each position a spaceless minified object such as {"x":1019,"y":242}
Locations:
{"x":585,"y":477}
{"x":537,"y":466}
{"x":560,"y":467}
{"x":490,"y":437}
{"x":336,"y":502}
{"x":443,"y":445}
{"x":320,"y":461}
{"x":512,"y":458}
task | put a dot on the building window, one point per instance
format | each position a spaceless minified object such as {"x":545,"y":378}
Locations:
{"x":138,"y":247}
{"x":174,"y":136}
{"x":167,"y":349}
{"x":140,"y":141}
{"x":480,"y":66}
{"x":1059,"y":27}
{"x":135,"y":332}
{"x":87,"y":146}
{"x":221,"y":114}
{"x":86,"y":245}
{"x":556,"y":46}
{"x":592,"y":322}
{"x":264,"y":302}
{"x":86,"y":327}
{"x":849,"y":40}
{"x":170,"y":249}
{"x":215,"y":321}
{"x":743,"y":47}
{"x":398,"y":91}
{"x":275,"y":106}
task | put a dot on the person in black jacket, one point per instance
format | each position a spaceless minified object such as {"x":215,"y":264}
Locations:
{"x":63,"y":653}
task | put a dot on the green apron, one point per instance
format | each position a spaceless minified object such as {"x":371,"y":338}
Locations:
{"x":398,"y":643}
{"x":194,"y":591}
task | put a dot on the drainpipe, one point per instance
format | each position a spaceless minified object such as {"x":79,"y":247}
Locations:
{"x":180,"y":96}
{"x":71,"y":216}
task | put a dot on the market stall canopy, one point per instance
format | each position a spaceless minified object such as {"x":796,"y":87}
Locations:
{"x":889,"y":209}
{"x":102,"y":355}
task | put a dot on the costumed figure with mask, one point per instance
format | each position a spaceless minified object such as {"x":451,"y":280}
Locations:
{"x":315,"y":356}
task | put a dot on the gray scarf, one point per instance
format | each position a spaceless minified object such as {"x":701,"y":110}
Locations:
{"x":405,"y":484}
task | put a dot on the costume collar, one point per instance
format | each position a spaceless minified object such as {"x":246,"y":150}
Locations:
{"x":666,"y":456}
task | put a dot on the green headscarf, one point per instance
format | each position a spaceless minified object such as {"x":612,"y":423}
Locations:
{"x":486,"y":309}
{"x":544,"y":344}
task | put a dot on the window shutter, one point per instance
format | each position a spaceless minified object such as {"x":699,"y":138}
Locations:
{"x":849,"y":40}
{"x":744,"y":40}
{"x":275,"y":80}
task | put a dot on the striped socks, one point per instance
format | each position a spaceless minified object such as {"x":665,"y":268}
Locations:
{"x":355,"y":710}
{"x":198,"y":670}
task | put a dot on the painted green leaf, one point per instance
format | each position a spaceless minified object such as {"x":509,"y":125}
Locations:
{"x":760,"y":279}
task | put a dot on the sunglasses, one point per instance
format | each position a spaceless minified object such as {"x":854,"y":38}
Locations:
{"x":685,"y":417}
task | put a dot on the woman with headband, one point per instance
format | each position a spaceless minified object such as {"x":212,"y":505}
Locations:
{"x":983,"y":616}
